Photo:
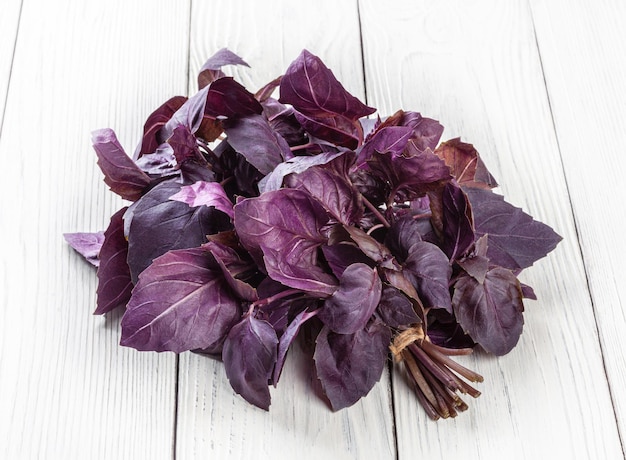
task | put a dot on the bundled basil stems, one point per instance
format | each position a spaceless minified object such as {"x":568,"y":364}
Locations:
{"x":252,"y":219}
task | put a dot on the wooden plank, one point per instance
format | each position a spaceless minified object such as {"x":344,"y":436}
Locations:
{"x":9,"y":22}
{"x":67,"y":389}
{"x":475,"y":67}
{"x":213,"y":421}
{"x":582,"y":48}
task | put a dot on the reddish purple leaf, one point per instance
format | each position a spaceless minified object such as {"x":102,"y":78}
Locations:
{"x":429,"y":270}
{"x":349,"y":365}
{"x":151,"y":130}
{"x":465,"y":164}
{"x":490,"y":312}
{"x":395,"y":308}
{"x":249,"y":355}
{"x":287,"y":338}
{"x":312,"y":89}
{"x":458,"y":228}
{"x":353,"y":303}
{"x":204,"y":193}
{"x":284,"y":227}
{"x":516,"y":240}
{"x":212,"y":68}
{"x":180,"y":303}
{"x":121,"y":173}
{"x":252,"y":137}
{"x":114,"y":283}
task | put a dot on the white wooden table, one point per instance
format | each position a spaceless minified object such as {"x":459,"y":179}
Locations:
{"x":539,"y":87}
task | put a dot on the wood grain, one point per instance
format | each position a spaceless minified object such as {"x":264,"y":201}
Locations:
{"x":213,"y":421}
{"x":9,"y":24}
{"x":475,"y":67}
{"x":582,"y":49}
{"x":67,"y":389}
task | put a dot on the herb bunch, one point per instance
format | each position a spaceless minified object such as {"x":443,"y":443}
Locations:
{"x":253,"y":219}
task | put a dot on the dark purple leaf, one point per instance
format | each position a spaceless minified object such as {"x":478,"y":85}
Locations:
{"x":212,"y":68}
{"x":395,"y":308}
{"x":443,"y":330}
{"x":114,"y":283}
{"x":349,"y":365}
{"x":295,"y":165}
{"x":332,"y":190}
{"x":157,"y":119}
{"x":190,"y":114}
{"x":516,"y":240}
{"x":249,"y":355}
{"x":233,"y":267}
{"x":392,"y":139}
{"x":490,"y":312}
{"x":253,"y":138}
{"x":283,"y":121}
{"x":160,"y":224}
{"x":340,"y":256}
{"x":265,"y":92}
{"x":425,"y":132}
{"x":336,"y":129}
{"x":287,"y":339}
{"x":284,"y":227}
{"x":372,"y":248}
{"x":353,"y":303}
{"x":312,"y":89}
{"x":121,"y":173}
{"x":180,"y":303}
{"x":403,"y":234}
{"x":86,"y":244}
{"x":227,"y":98}
{"x":458,"y":229}
{"x":429,"y":270}
{"x":410,"y":175}
{"x":465,"y":164}
{"x":204,"y":193}
{"x":528,"y":292}
{"x":185,"y":146}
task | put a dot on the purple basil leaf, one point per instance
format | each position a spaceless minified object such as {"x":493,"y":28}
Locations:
{"x":429,"y":270}
{"x":312,"y":89}
{"x":265,"y":92}
{"x":395,"y":308}
{"x":403,"y":234}
{"x":372,"y":248}
{"x":490,"y":312}
{"x":212,"y":68}
{"x":443,"y":330}
{"x":114,"y":283}
{"x":253,"y":138}
{"x":528,"y":292}
{"x":284,"y":226}
{"x":204,"y":193}
{"x":157,"y":119}
{"x":190,"y":114}
{"x":425,"y":132}
{"x":353,"y":303}
{"x":227,"y":98}
{"x":333,"y":190}
{"x":465,"y":164}
{"x":161,"y":163}
{"x":232,"y":267}
{"x":159,"y":224}
{"x":282,"y":120}
{"x":409,"y":176}
{"x":121,"y":173}
{"x":392,"y":139}
{"x":87,"y":245}
{"x":475,"y":266}
{"x":249,"y":355}
{"x":180,"y":303}
{"x":458,"y":229}
{"x":287,"y":339}
{"x":340,"y":256}
{"x":516,"y":240}
{"x":349,"y":365}
{"x":295,"y":165}
{"x":184,"y":146}
{"x":336,"y":129}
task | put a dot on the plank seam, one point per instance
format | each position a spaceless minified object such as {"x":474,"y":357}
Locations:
{"x":6,"y":98}
{"x":576,"y":230}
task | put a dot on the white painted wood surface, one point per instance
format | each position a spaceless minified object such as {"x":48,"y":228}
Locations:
{"x":538,"y":87}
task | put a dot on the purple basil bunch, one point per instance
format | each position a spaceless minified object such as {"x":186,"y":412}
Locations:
{"x":253,"y":219}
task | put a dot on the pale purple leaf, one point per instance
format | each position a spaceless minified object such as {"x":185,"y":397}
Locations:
{"x":86,"y":244}
{"x":204,"y":193}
